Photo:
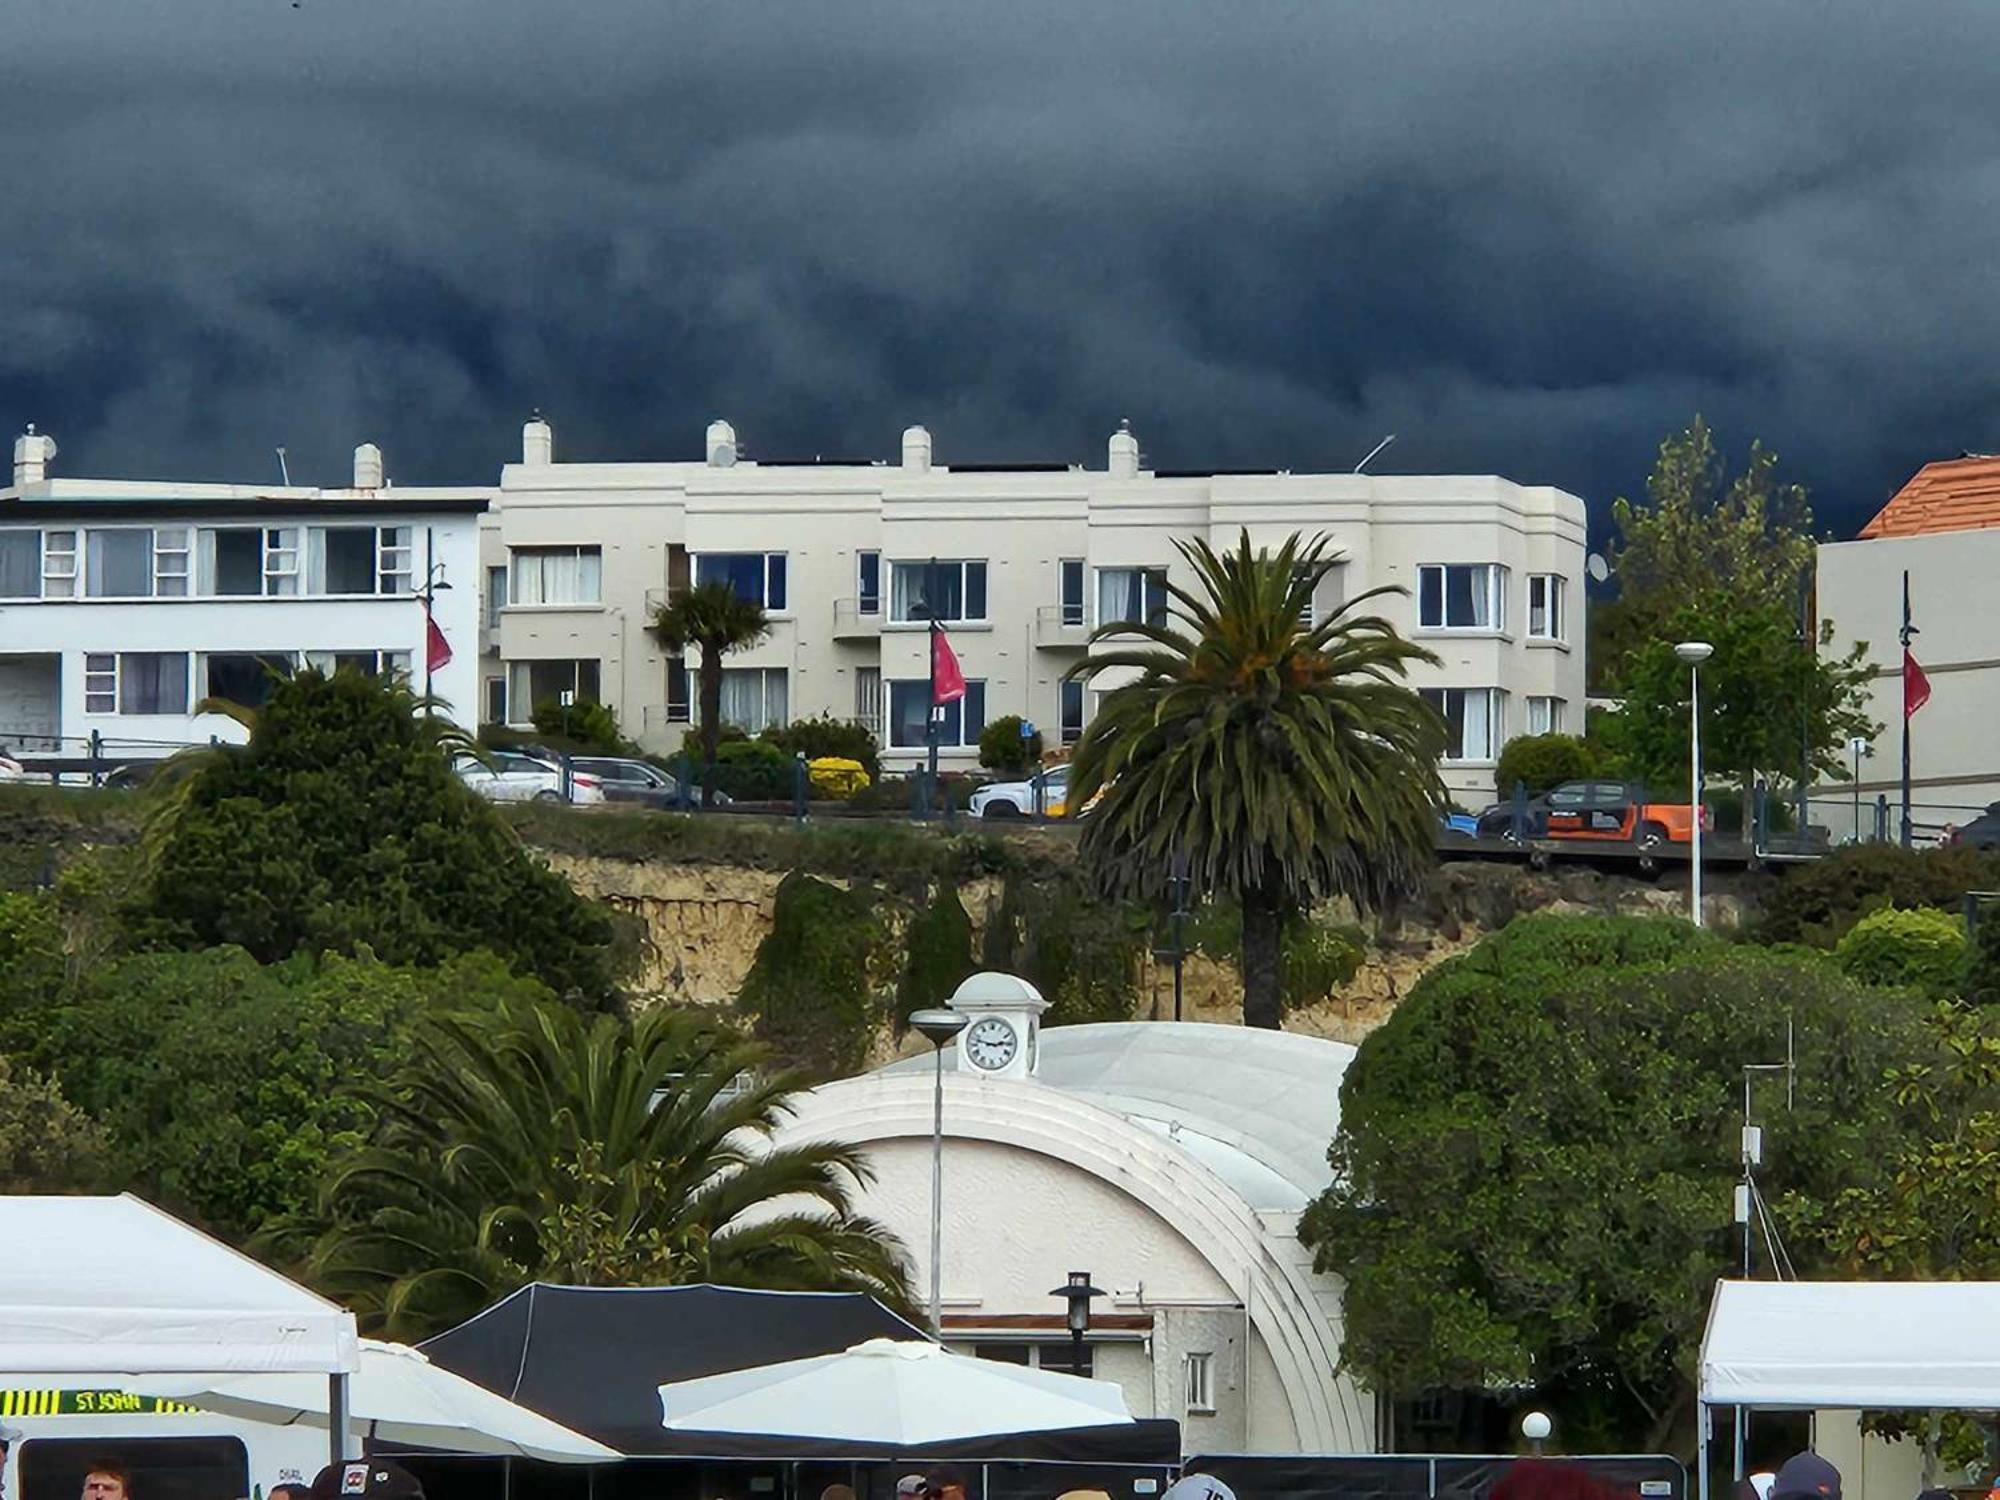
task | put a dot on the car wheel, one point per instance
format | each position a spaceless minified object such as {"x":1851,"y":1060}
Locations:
{"x":548,"y":796}
{"x":1000,"y":810}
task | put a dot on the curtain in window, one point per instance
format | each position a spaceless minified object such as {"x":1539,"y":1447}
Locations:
{"x":120,"y":564}
{"x":753,"y":699}
{"x":1476,"y":743}
{"x":1121,"y":595}
{"x":20,"y":564}
{"x":153,"y":682}
{"x":1468,"y":599}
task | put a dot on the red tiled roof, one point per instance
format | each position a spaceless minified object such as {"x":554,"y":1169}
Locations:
{"x":1956,"y":494}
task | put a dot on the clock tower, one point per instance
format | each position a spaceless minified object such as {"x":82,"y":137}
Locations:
{"x":1003,"y":1026}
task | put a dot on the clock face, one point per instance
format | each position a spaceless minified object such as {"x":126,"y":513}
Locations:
{"x":990,"y":1044}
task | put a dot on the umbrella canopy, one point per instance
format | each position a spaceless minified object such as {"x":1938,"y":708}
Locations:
{"x":398,"y":1396}
{"x":891,"y":1392}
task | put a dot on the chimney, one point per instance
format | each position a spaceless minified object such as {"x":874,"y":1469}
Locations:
{"x":368,"y":467}
{"x":721,"y":445}
{"x":538,"y":442}
{"x":1124,"y":452}
{"x":33,"y":453}
{"x":917,"y":450}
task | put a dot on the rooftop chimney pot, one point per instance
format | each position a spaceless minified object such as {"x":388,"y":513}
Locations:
{"x":33,"y":453}
{"x":917,"y":449}
{"x":368,"y":467}
{"x":538,"y":442}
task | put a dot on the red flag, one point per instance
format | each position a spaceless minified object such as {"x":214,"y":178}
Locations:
{"x":1916,"y":686}
{"x":437,"y":650}
{"x":947,"y":681}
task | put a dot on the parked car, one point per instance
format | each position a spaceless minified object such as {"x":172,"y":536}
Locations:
{"x":1621,"y":812}
{"x":622,"y":779}
{"x":1016,"y":799}
{"x":11,"y":769}
{"x":1459,"y":822}
{"x":1983,"y":832}
{"x":505,"y":776}
{"x":1497,"y":821}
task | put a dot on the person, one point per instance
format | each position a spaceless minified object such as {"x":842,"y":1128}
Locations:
{"x":366,"y":1479}
{"x":107,"y":1481}
{"x":9,"y":1436}
{"x":944,"y":1484}
{"x":1549,"y":1479}
{"x":910,"y":1487}
{"x":289,"y":1490}
{"x":1806,"y":1476}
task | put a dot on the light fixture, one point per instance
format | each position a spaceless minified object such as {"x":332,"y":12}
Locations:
{"x":937,"y":1025}
{"x":1077,"y":1293}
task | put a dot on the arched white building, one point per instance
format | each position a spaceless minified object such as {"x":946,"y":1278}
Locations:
{"x":1171,"y":1162}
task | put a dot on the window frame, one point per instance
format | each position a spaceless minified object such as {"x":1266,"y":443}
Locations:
{"x":389,"y":553}
{"x":772,"y":569}
{"x":871,"y":721}
{"x":867,"y":597}
{"x":538,"y":556}
{"x":35,"y":573}
{"x":499,"y":590}
{"x":1554,"y":607}
{"x":1198,"y":1383}
{"x":90,"y":536}
{"x":924,"y":566}
{"x":1496,"y":723}
{"x":1077,"y":612}
{"x":973,"y":685}
{"x":59,"y":581}
{"x":1551,"y":715}
{"x":1069,"y":733}
{"x":488,"y":684}
{"x":283,"y":549}
{"x":1496,"y":598}
{"x":204,"y":667}
{"x":1149,"y":576}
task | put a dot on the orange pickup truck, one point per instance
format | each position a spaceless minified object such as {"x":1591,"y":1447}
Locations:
{"x":1620,"y":812}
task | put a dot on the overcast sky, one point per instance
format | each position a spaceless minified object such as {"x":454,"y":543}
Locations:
{"x":1528,"y":236}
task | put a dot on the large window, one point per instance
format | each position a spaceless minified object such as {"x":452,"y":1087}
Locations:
{"x":757,"y":577}
{"x":1069,"y":583}
{"x":558,"y":575}
{"x":20,"y":565}
{"x":136,"y":682}
{"x":1545,"y":716}
{"x":245,"y":678}
{"x":1473,"y":718}
{"x":531,"y":684}
{"x":1462,"y":596}
{"x":949,"y":591}
{"x":231,"y":561}
{"x":1545,"y":607}
{"x":868,"y":583}
{"x":755,"y":698}
{"x":118,"y":563}
{"x":1134,"y":596}
{"x":959,"y":723}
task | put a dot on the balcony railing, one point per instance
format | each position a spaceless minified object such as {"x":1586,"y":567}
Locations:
{"x":1060,"y":627}
{"x":850,"y":623}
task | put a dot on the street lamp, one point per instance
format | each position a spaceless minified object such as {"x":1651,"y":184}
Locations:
{"x":938,"y":1025}
{"x":1076,"y":1293}
{"x":1856,"y":747}
{"x":1536,"y":1427}
{"x":434,"y":584}
{"x":1694,"y":653}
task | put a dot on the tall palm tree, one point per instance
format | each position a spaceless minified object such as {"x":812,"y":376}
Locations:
{"x":715,"y":619}
{"x":536,"y":1144}
{"x":1288,"y":762}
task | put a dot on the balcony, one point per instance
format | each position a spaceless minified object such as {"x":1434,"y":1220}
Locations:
{"x":1060,"y":627}
{"x":851,"y":624}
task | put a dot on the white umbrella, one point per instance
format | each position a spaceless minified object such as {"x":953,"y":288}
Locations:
{"x":901,"y":1394}
{"x":396,"y":1395}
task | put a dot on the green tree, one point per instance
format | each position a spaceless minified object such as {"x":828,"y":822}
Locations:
{"x":1817,"y":903}
{"x":715,"y":620}
{"x":1542,"y":762}
{"x":341,"y":826}
{"x":539,"y":1144}
{"x":807,"y":995}
{"x":1290,"y":763}
{"x":1924,"y":949}
{"x":1002,"y":748}
{"x":1532,"y":1184}
{"x":47,"y":1145}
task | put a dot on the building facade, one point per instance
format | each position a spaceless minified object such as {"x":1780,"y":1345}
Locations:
{"x":1171,"y":1162}
{"x":1942,"y":530}
{"x":125,"y":604}
{"x":1021,"y":563}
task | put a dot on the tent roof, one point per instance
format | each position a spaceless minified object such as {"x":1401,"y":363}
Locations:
{"x":114,"y":1286}
{"x":1853,"y":1344}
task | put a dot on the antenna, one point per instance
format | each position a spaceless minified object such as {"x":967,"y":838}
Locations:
{"x":1373,"y":451}
{"x":284,"y":470}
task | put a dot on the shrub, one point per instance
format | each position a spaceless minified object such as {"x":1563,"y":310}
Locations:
{"x":1082,"y":954}
{"x":898,"y":793}
{"x":1924,"y":949}
{"x":940,"y":953}
{"x":752,"y":771}
{"x":1002,"y":748}
{"x":836,"y":776}
{"x":807,"y":992}
{"x":1544,"y":761}
{"x":828,"y":738}
{"x":1816,"y":903}
{"x":591,"y":728}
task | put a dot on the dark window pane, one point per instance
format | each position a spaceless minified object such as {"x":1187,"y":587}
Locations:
{"x":20,"y":564}
{"x":742,"y":571}
{"x":1072,"y":711}
{"x":1010,"y":1354}
{"x":975,"y":591}
{"x":496,"y":700}
{"x":909,"y":705}
{"x":1072,"y":591}
{"x":239,"y":561}
{"x":974,"y":704}
{"x":1065,"y":1359}
{"x":1156,"y":597}
{"x":153,"y":682}
{"x":350,"y":560}
{"x":120,"y":564}
{"x":245,"y":679}
{"x":677,"y":692}
{"x":355,"y":661}
{"x":586,"y":682}
{"x":1460,"y":607}
{"x":871,"y":583}
{"x":1431,"y":595}
{"x":774,"y":584}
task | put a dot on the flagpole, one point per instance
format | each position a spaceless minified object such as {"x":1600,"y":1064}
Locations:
{"x":1905,"y":634}
{"x":931,"y":714}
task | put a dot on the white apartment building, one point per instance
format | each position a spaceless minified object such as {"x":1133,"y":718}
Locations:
{"x":1024,"y":562}
{"x":124,"y":604}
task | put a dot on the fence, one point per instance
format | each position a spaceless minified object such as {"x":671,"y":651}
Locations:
{"x":1877,"y":817}
{"x":1419,"y":1477}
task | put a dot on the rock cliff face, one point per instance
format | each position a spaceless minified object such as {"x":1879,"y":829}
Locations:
{"x":702,"y":925}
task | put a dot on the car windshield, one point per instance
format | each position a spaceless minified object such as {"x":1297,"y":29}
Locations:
{"x":517,"y":763}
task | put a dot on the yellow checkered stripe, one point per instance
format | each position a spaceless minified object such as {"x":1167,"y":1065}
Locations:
{"x":88,"y":1404}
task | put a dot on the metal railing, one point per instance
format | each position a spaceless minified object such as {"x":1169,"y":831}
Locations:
{"x":851,"y":621}
{"x":1060,"y":627}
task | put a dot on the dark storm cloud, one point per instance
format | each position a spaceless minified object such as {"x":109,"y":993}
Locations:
{"x":1529,"y":237}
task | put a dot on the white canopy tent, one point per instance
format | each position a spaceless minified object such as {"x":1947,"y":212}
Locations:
{"x":1850,"y":1345}
{"x":113,"y":1286}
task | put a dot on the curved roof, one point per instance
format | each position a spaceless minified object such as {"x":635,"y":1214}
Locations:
{"x":1257,"y":1108}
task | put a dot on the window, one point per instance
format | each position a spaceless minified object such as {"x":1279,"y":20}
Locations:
{"x":20,"y":565}
{"x":1472,"y":717}
{"x":1072,"y":710}
{"x":243,"y":677}
{"x":496,"y":596}
{"x":340,"y":560}
{"x":680,"y":691}
{"x":558,"y":575}
{"x":118,"y":563}
{"x":1545,"y":716}
{"x":948,"y":591}
{"x":868,"y":583}
{"x":1061,"y":1357}
{"x":230,"y":561}
{"x":367,"y":663}
{"x":170,"y":562}
{"x":1070,"y":583}
{"x":868,"y":698}
{"x":392,"y":560}
{"x":1131,"y":596}
{"x":757,"y":577}
{"x":100,"y":684}
{"x":176,"y":1468}
{"x":151,"y":682}
{"x":1309,"y":607}
{"x":532,"y":684}
{"x":1545,"y":607}
{"x":959,"y":723}
{"x":1462,"y":596}
{"x":59,"y":565}
{"x":1201,"y":1382}
{"x":281,"y":560}
{"x":755,"y":698}
{"x":496,"y":695}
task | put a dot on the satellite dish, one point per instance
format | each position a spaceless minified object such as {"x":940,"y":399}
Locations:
{"x":1199,"y":1487}
{"x":1597,"y":567}
{"x":725,"y":456}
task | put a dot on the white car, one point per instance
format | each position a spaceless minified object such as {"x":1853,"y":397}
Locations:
{"x":1016,"y":799}
{"x":521,"y":778}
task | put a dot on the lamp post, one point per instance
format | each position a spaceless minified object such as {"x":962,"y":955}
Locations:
{"x":938,"y":1025}
{"x":435,"y":583}
{"x":1536,"y":1427}
{"x":1694,"y":653}
{"x":1076,"y":1294}
{"x":1857,"y":747}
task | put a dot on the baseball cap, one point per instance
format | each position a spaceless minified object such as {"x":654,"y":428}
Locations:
{"x":1806,"y":1476}
{"x":366,"y":1479}
{"x":910,"y":1484}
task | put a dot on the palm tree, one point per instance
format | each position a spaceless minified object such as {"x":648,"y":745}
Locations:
{"x":536,"y":1144}
{"x":1287,"y":762}
{"x":715,"y":619}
